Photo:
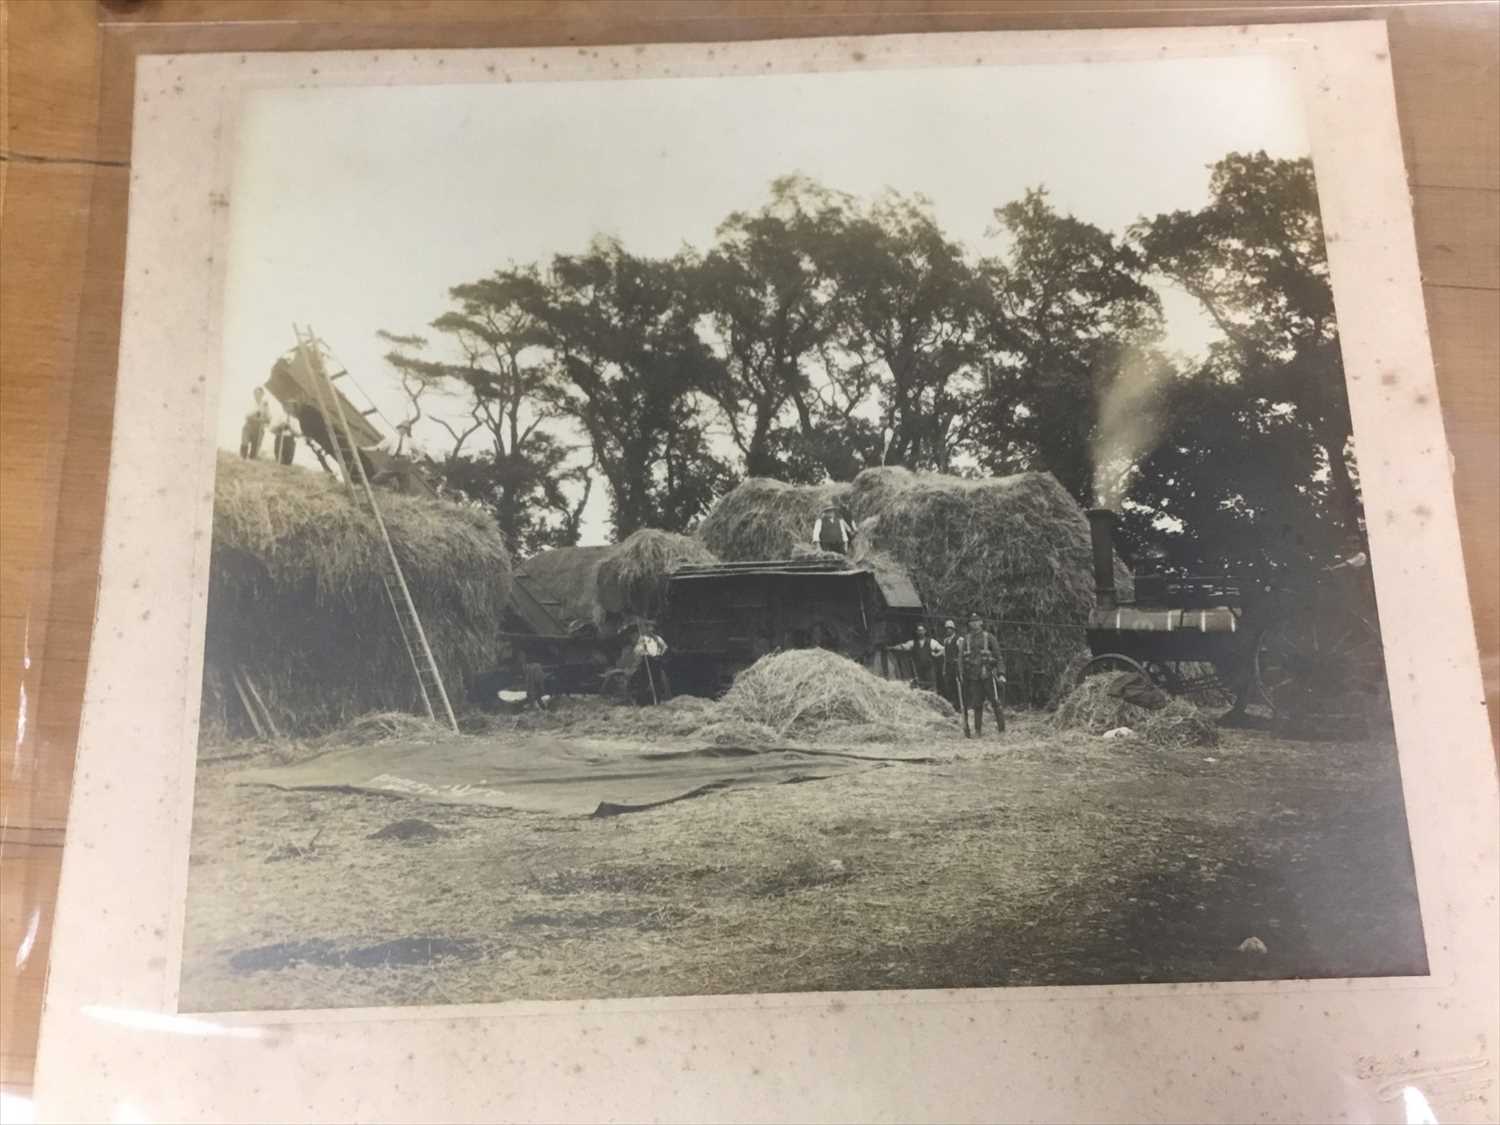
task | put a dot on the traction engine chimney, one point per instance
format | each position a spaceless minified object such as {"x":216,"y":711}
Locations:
{"x":1102,"y":536}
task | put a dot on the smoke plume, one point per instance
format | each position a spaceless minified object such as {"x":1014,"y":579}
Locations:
{"x":1130,"y":421}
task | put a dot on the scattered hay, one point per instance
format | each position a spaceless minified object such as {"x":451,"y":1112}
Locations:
{"x":631,"y":577}
{"x":592,"y":716}
{"x":738,"y":732}
{"x":807,"y":695}
{"x":766,"y":519}
{"x":811,"y":693}
{"x":1098,"y":705}
{"x":808,"y":551}
{"x":384,"y":726}
{"x":296,"y":598}
{"x":407,"y":830}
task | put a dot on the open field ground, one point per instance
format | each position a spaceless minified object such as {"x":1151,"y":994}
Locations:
{"x":1036,"y":858}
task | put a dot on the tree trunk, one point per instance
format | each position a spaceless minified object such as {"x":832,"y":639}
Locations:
{"x":758,"y":461}
{"x":1346,"y":497}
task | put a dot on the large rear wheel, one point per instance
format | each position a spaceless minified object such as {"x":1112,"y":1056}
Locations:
{"x":1322,"y":667}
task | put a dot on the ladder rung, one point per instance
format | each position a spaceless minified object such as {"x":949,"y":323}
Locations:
{"x":372,"y":410}
{"x":337,"y":375}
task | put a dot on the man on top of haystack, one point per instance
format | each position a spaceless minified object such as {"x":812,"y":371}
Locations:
{"x":253,"y":432}
{"x":833,"y":531}
{"x":981,"y":670}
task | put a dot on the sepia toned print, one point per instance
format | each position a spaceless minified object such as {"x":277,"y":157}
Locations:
{"x":848,"y":531}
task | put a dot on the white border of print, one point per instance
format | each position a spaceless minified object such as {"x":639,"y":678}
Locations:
{"x":113,"y":1046}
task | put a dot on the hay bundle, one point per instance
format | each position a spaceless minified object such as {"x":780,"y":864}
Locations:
{"x":874,"y":489}
{"x":295,"y":597}
{"x":808,"y":693}
{"x":766,"y":519}
{"x":631,"y":577}
{"x":1015,"y":549}
{"x":1099,"y":704}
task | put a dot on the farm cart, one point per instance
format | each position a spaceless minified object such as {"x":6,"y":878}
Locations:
{"x":1311,"y":656}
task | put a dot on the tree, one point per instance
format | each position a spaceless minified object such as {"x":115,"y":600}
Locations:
{"x":501,"y":453}
{"x":907,"y":310}
{"x":1069,"y":317}
{"x":632,"y":372}
{"x":1260,"y":457}
{"x":769,"y":308}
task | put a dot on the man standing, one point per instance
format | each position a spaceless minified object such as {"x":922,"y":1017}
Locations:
{"x":285,"y":443}
{"x":926,"y":658}
{"x":948,"y":679}
{"x":650,"y":648}
{"x":833,"y":532}
{"x":535,"y":678}
{"x":254,"y":429}
{"x":982,"y":668}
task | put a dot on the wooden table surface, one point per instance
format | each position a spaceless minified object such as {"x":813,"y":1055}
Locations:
{"x":63,"y":174}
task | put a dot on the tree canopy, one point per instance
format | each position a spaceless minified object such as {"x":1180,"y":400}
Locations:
{"x":822,"y":334}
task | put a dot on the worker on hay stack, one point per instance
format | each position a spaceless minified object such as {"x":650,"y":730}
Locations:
{"x":926,"y":658}
{"x":981,"y":669}
{"x":948,"y":676}
{"x":650,"y":648}
{"x":253,"y":432}
{"x":832,"y":531}
{"x":284,"y":439}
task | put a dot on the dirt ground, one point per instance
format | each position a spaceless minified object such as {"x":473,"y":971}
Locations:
{"x":1036,"y":858}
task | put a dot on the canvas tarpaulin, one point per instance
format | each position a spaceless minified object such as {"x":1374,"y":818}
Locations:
{"x":550,"y":775}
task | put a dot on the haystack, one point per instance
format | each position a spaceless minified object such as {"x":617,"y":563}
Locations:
{"x":631,"y":577}
{"x":766,"y":519}
{"x":1103,"y":702}
{"x":295,"y":598}
{"x":804,"y":696}
{"x":1015,"y":549}
{"x":811,"y":693}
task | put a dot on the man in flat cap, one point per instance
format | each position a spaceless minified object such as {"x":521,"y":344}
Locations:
{"x":981,"y":667}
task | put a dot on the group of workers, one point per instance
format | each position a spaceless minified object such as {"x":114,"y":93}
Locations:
{"x":967,"y":669}
{"x":265,"y":416}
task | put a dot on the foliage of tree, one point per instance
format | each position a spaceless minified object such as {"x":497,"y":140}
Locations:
{"x":768,"y":303}
{"x":499,"y":451}
{"x":1257,"y":465}
{"x":908,"y":311}
{"x":821,"y":334}
{"x":633,"y":373}
{"x":1070,"y":310}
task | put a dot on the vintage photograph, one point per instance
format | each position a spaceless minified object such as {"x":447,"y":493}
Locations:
{"x":787,"y":532}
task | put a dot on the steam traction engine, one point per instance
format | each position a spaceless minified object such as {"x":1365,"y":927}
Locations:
{"x":1310,"y":657}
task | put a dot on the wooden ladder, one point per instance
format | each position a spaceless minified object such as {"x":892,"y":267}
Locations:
{"x":413,"y":636}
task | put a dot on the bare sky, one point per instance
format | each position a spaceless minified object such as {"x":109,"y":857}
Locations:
{"x":355,"y":209}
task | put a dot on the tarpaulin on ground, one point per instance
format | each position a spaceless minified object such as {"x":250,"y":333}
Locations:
{"x":545,"y":774}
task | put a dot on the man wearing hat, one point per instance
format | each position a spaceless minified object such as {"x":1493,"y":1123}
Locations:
{"x":926,"y":658}
{"x":257,"y":422}
{"x":650,"y":648}
{"x":982,"y":670}
{"x":832,"y":531}
{"x":948,"y":673}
